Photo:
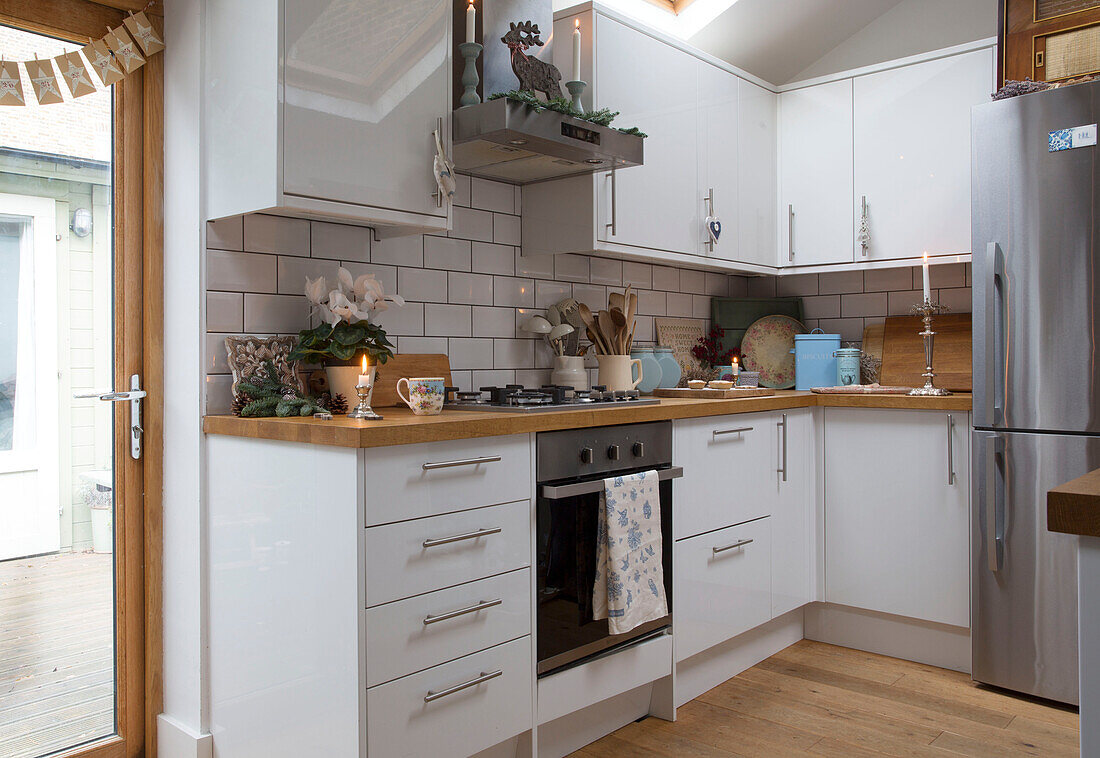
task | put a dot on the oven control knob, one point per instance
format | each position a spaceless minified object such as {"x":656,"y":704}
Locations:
{"x":638,"y":449}
{"x":586,"y":455}
{"x":613,"y":453}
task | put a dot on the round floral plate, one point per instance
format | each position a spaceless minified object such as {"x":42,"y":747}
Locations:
{"x":767,"y":347}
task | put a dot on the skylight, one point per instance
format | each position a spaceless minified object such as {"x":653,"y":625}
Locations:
{"x":678,"y":18}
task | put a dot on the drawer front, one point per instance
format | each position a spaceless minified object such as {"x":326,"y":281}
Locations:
{"x":729,"y":471}
{"x":721,"y":590}
{"x":401,"y":725}
{"x":424,"y":631}
{"x":411,"y":481}
{"x":419,"y":556}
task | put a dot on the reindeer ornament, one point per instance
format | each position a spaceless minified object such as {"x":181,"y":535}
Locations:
{"x":534,"y":75}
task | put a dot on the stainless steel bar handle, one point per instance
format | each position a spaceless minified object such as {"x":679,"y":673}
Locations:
{"x":551,"y":492}
{"x":739,"y":430}
{"x":614,"y":225}
{"x":430,"y":619}
{"x":436,"y":541}
{"x":783,"y":469}
{"x":438,"y":135}
{"x":484,"y":677}
{"x":994,"y":504}
{"x":996,"y":332}
{"x":790,"y":233}
{"x":734,"y":546}
{"x":950,"y":450}
{"x":464,"y":462}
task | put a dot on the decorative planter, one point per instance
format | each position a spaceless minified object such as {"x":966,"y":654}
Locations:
{"x":569,"y":372}
{"x":342,"y":380}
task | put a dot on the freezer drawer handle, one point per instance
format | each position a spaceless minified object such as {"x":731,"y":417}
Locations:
{"x":551,"y":492}
{"x":994,"y":505}
{"x":463,"y":462}
{"x":435,"y":542}
{"x":484,"y":677}
{"x":950,"y":450}
{"x":430,"y":619}
{"x":734,"y":546}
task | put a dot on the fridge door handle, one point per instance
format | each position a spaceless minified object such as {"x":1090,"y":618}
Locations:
{"x":996,"y":330}
{"x":995,"y":504}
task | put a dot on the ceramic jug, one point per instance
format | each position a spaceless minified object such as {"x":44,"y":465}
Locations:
{"x":617,"y":372}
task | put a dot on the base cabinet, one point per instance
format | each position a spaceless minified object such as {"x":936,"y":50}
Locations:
{"x":897,"y":512}
{"x":793,"y":519}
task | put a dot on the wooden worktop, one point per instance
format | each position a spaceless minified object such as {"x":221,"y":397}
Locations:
{"x":401,"y":427}
{"x":1074,"y":508}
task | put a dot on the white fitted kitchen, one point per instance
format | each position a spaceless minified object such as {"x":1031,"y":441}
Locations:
{"x":639,"y":377}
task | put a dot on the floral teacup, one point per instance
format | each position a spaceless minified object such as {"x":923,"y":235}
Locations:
{"x":425,"y":394}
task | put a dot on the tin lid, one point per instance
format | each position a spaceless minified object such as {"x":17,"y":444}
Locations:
{"x":848,"y":352}
{"x":815,"y":335}
{"x":641,"y":349}
{"x":662,"y":349}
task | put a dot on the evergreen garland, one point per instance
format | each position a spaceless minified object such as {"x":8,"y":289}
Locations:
{"x":264,"y":395}
{"x":602,"y":117}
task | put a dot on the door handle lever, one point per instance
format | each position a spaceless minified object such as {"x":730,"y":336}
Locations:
{"x":133,"y":396}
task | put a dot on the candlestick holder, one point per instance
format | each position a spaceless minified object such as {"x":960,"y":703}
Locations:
{"x":363,"y":410}
{"x":470,"y":51}
{"x":926,"y":311}
{"x":576,"y":89}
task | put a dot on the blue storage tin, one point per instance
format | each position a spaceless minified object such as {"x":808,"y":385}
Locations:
{"x":815,"y":359}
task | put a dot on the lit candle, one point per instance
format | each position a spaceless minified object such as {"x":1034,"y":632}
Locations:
{"x":471,"y":18}
{"x":736,"y":368}
{"x":576,"y":50}
{"x":364,"y":377}
{"x":927,"y":291}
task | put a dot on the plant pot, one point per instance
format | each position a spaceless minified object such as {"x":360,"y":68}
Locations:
{"x":342,"y":380}
{"x":617,"y":372}
{"x":569,"y":372}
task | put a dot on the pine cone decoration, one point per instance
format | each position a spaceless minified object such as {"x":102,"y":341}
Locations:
{"x":337,"y":405}
{"x":239,"y":402}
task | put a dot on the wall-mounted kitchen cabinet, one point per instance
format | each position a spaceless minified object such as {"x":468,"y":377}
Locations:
{"x":327,"y":110}
{"x":912,"y":155}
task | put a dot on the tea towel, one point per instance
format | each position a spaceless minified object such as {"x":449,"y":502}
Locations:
{"x":630,"y":580}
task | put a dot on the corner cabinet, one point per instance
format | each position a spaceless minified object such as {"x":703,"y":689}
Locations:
{"x":328,"y":110}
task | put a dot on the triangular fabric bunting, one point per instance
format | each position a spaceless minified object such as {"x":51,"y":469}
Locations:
{"x":75,"y":74}
{"x":11,"y":86}
{"x":126,"y":52}
{"x":141,"y":28}
{"x":44,"y":82}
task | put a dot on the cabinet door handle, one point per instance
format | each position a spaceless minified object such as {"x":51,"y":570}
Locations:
{"x":950,"y":450}
{"x":734,"y":546}
{"x":437,"y":137}
{"x":739,"y":430}
{"x":613,"y":227}
{"x":783,"y":468}
{"x":463,"y":462}
{"x":790,"y":233}
{"x":435,"y":541}
{"x":864,"y":235}
{"x":430,"y":619}
{"x":709,"y":200}
{"x":484,"y":677}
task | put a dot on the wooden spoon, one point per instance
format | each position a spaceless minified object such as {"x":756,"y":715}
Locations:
{"x":616,"y":300}
{"x":608,"y":330}
{"x":586,"y":316}
{"x":595,"y":340}
{"x":620,"y":329}
{"x":631,"y":309}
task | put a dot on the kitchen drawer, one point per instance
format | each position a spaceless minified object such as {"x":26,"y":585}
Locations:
{"x":729,"y":475}
{"x":400,"y":724}
{"x":410,"y":481}
{"x":399,"y":565}
{"x":402,"y":637}
{"x":721,"y":591}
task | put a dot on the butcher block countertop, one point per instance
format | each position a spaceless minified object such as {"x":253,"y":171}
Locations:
{"x":401,"y":427}
{"x":1074,"y":507}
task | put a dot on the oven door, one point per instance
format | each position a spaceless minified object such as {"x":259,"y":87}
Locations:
{"x":566,"y":535}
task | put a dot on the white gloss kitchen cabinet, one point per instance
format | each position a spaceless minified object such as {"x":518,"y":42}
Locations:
{"x":328,"y":110}
{"x":912,"y":155}
{"x":897,"y":486}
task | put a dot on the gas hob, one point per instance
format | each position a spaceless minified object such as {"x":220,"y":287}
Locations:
{"x":515,"y":398}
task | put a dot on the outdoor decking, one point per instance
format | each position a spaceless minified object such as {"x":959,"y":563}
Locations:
{"x":56,"y":653}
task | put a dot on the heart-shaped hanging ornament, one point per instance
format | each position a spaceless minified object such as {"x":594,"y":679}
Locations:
{"x":714,"y":228}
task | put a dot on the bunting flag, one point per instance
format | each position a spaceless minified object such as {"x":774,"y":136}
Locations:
{"x":11,"y":86}
{"x":43,"y":81}
{"x":124,"y":49}
{"x":141,"y":29}
{"x":75,"y":74}
{"x":103,"y":62}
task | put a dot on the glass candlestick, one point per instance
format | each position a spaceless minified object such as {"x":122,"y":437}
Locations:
{"x":926,"y":311}
{"x":363,"y":410}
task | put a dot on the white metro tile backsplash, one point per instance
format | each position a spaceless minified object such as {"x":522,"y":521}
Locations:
{"x":470,"y":290}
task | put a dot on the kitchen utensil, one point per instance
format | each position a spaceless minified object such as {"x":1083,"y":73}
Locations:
{"x":594,"y":338}
{"x":620,"y":329}
{"x":405,"y":364}
{"x":631,"y":310}
{"x":553,"y":315}
{"x":708,"y":394}
{"x":537,"y":325}
{"x":607,"y":330}
{"x":571,"y":312}
{"x":903,"y":352}
{"x":616,"y":300}
{"x":555,"y":337}
{"x":425,"y":396}
{"x":815,"y":359}
{"x":862,"y":389}
{"x":766,"y":349}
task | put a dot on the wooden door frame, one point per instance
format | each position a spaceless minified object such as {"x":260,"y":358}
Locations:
{"x":138,"y":163}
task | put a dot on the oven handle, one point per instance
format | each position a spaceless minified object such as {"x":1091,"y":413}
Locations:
{"x":588,"y":488}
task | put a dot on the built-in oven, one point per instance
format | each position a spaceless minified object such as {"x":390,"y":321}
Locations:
{"x":571,"y":466}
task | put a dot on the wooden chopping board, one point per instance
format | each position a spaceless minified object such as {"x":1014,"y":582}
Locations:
{"x":709,"y":394}
{"x":903,"y":352}
{"x":407,"y":365}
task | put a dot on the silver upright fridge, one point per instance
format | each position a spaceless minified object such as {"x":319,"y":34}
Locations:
{"x":1036,"y":181}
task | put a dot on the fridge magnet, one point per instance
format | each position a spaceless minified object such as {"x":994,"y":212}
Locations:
{"x":75,"y":74}
{"x":43,"y":81}
{"x":125,"y":50}
{"x":103,"y":62}
{"x":11,"y":85}
{"x":141,"y":29}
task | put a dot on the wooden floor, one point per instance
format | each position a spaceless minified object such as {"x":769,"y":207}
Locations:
{"x":56,"y":653}
{"x":814,"y":699}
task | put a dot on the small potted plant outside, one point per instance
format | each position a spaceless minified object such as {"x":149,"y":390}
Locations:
{"x":348,"y":333}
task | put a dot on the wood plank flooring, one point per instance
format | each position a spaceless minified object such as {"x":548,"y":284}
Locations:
{"x":814,"y":699}
{"x":56,"y":652}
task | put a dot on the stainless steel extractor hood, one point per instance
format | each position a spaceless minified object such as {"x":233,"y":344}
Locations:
{"x":509,"y":141}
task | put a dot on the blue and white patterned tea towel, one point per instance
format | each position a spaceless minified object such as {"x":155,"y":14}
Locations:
{"x":630,"y":581}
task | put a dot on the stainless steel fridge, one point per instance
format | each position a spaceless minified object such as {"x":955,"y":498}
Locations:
{"x":1036,"y":378}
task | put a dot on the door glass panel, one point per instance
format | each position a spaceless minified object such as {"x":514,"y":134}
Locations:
{"x":57,"y":586}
